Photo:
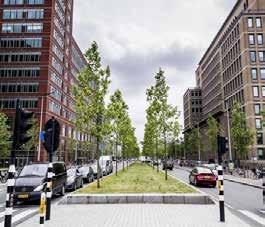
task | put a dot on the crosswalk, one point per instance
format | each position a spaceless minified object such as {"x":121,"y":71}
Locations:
{"x":19,"y":215}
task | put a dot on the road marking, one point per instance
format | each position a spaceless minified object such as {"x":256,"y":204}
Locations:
{"x":2,"y":214}
{"x":253,"y":216}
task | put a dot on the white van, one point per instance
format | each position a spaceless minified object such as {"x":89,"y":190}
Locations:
{"x":106,"y":164}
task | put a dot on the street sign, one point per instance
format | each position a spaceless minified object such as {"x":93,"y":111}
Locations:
{"x":42,"y":136}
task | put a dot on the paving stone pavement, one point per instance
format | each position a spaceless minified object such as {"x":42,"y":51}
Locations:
{"x":137,"y":215}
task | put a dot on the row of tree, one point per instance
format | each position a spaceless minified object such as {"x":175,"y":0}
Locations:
{"x":107,"y":123}
{"x":162,"y":124}
{"x":241,"y":136}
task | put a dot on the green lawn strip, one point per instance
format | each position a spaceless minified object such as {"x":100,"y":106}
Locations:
{"x":139,"y":178}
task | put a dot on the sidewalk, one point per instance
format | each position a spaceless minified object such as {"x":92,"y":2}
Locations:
{"x":136,"y":215}
{"x":245,"y":181}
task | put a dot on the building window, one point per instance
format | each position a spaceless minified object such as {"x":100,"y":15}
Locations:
{"x":261,"y":154}
{"x":255,"y":91}
{"x":261,"y":55}
{"x":250,"y":22}
{"x":260,"y":39}
{"x":35,"y":2}
{"x":254,"y":75}
{"x":263,"y":91}
{"x":258,"y":22}
{"x":259,"y":138}
{"x":258,"y":123}
{"x":262,"y":74}
{"x":19,"y":72}
{"x":251,"y":39}
{"x":253,"y":56}
{"x":257,"y":109}
{"x":13,"y":2}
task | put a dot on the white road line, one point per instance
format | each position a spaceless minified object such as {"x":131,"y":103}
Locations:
{"x":253,"y":216}
{"x":2,"y":214}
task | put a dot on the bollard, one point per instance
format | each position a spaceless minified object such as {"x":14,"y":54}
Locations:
{"x":42,"y":208}
{"x":221,"y":193}
{"x":49,"y":192}
{"x":10,"y":196}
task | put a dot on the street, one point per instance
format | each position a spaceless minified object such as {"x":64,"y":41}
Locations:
{"x":244,"y":201}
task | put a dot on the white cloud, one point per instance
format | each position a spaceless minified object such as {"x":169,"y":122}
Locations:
{"x":137,"y":37}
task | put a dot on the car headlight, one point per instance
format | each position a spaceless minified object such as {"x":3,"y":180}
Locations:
{"x":70,"y":180}
{"x":39,"y":188}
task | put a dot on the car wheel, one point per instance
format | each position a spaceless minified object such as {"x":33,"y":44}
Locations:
{"x":62,"y":193}
{"x":82,"y":183}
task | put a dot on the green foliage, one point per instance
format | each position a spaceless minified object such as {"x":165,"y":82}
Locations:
{"x":212,"y":132}
{"x":120,"y":125}
{"x":162,"y":118}
{"x":242,"y":136}
{"x":90,"y":95}
{"x":71,"y":146}
{"x":4,"y":136}
{"x":33,"y":143}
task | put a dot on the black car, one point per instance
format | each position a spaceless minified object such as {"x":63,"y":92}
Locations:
{"x":31,"y":181}
{"x":168,"y":164}
{"x":87,"y":173}
{"x":74,"y":179}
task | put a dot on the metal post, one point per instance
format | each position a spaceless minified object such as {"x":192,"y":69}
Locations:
{"x":221,"y":191}
{"x":11,"y":173}
{"x":263,"y":184}
{"x":199,"y":145}
{"x":229,"y":136}
{"x":49,"y":177}
{"x":41,"y":119}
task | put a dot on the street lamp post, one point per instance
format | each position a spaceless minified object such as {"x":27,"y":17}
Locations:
{"x":41,"y":119}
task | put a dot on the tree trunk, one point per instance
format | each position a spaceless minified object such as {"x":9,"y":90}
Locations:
{"x":157,"y":155}
{"x":165,"y":145}
{"x":122,"y":158}
{"x":98,"y":167}
{"x":116,"y":164}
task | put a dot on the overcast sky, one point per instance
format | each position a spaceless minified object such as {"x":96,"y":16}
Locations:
{"x":136,"y":37}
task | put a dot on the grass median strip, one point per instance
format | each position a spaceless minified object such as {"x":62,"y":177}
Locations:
{"x":139,"y":178}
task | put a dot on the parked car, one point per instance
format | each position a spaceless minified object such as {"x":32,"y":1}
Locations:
{"x":31,"y":181}
{"x":106,"y":162}
{"x":87,"y":173}
{"x":202,"y":176}
{"x":168,"y":164}
{"x":74,"y":179}
{"x":95,"y":170}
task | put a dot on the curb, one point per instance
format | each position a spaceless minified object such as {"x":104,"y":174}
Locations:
{"x":243,"y":183}
{"x":137,"y":199}
{"x":234,"y":181}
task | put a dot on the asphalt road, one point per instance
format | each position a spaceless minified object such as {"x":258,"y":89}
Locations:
{"x":244,"y":201}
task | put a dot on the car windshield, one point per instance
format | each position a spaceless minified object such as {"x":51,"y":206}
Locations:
{"x":71,"y":172}
{"x":38,"y":170}
{"x":204,"y":170}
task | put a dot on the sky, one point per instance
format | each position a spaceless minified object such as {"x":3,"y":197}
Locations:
{"x":137,"y":37}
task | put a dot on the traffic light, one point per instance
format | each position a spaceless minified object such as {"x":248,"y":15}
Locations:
{"x":23,"y":124}
{"x":51,"y":135}
{"x":222,"y":146}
